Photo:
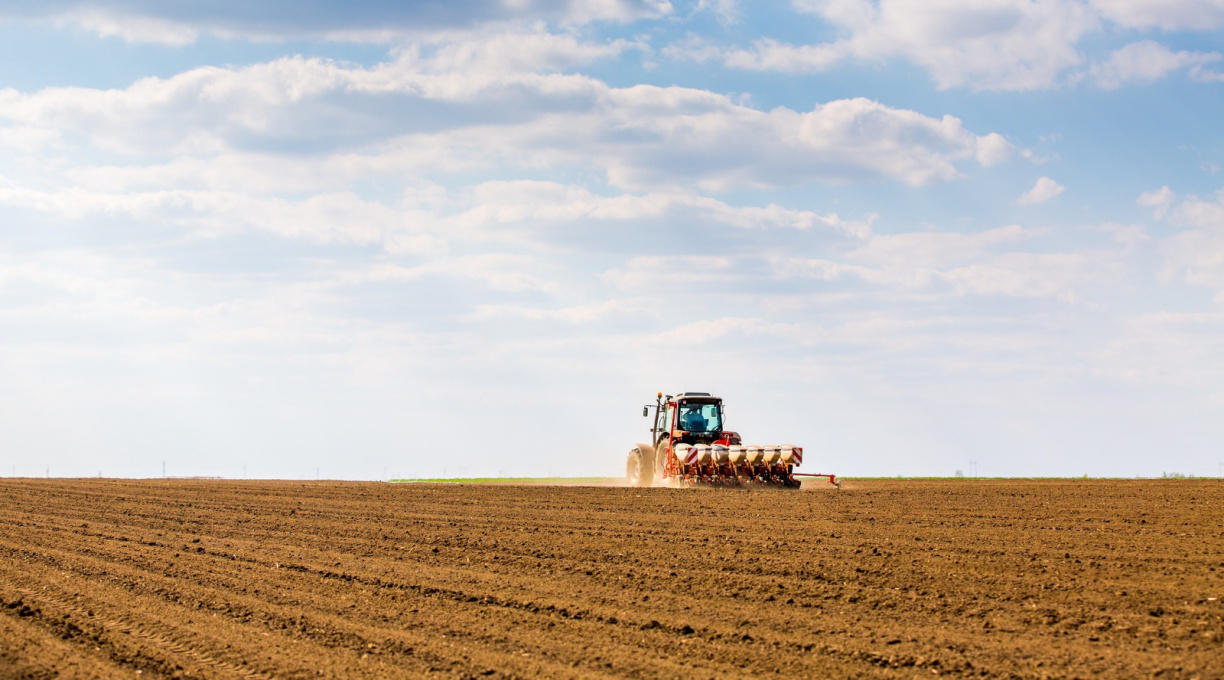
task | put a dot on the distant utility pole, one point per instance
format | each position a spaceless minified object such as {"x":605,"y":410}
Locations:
{"x":163,"y":468}
{"x":973,"y":468}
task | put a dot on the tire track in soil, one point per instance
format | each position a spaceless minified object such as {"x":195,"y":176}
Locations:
{"x":1015,"y":578}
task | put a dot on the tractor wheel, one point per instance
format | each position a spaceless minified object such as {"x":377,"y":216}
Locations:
{"x":660,"y":458}
{"x":639,"y":468}
{"x":633,"y":466}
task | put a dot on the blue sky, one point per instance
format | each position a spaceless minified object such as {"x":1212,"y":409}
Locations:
{"x":472,"y":238}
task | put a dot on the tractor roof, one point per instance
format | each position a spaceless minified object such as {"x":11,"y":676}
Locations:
{"x":703,"y":397}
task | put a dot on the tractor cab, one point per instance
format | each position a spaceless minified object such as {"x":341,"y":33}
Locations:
{"x":693,"y":418}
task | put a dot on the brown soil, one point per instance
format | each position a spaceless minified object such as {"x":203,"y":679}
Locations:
{"x":102,"y":578}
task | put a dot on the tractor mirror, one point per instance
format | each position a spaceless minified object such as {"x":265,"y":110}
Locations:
{"x":645,"y":411}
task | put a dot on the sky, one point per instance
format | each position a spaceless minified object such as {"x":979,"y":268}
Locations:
{"x":379,"y":240}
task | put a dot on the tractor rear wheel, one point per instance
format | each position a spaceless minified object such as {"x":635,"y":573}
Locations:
{"x":639,"y":468}
{"x":660,"y":458}
{"x":633,"y":467}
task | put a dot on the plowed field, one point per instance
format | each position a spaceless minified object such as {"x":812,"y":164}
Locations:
{"x":1015,"y":578}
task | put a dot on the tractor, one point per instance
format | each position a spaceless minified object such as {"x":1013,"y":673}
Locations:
{"x":690,"y":447}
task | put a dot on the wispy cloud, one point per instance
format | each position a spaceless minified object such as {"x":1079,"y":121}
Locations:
{"x":998,"y":45}
{"x":141,"y":21}
{"x":1145,"y":61}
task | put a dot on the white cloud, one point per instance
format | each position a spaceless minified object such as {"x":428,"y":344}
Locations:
{"x":993,"y":149}
{"x":991,"y":45}
{"x":704,"y":332}
{"x":933,"y":249}
{"x":1043,"y":190}
{"x":771,"y":55}
{"x":727,"y":11}
{"x":286,"y":103}
{"x":652,"y":135}
{"x":663,"y":272}
{"x":1169,"y":15}
{"x":470,"y":105}
{"x":1024,"y":275}
{"x":536,"y":204}
{"x":1203,"y":75}
{"x":1145,"y":61}
{"x":1009,"y":45}
{"x":937,"y":265}
{"x":132,"y":29}
{"x":979,"y":263}
{"x":1195,"y":255}
{"x":336,"y":217}
{"x":519,"y":210}
{"x":1173,"y":348}
{"x":1131,"y":236}
{"x":1158,"y":199}
{"x":499,"y":271}
{"x":624,"y":310}
{"x":28,"y":138}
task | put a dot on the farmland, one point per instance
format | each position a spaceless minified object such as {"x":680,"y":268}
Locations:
{"x":885,"y":578}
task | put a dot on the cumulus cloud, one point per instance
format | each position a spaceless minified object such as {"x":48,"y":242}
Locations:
{"x":1043,"y":190}
{"x":286,"y":103}
{"x":468,"y":103}
{"x":181,"y":23}
{"x":647,"y":135}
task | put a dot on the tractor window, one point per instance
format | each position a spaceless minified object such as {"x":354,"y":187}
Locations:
{"x":664,"y":416}
{"x":700,"y":417}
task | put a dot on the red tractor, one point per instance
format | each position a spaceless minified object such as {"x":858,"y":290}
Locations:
{"x":691,"y":448}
